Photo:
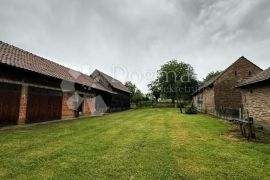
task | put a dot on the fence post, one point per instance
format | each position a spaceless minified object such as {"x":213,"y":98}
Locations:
{"x":240,"y":113}
{"x":251,"y":128}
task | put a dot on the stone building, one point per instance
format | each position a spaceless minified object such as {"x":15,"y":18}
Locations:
{"x":218,"y":96}
{"x":256,"y":98}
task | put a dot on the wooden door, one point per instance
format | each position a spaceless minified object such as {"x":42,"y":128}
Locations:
{"x":9,"y":103}
{"x":43,"y":105}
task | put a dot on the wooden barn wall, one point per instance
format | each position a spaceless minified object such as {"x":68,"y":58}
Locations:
{"x":107,"y":98}
{"x":120,"y":101}
{"x":103,"y":81}
{"x":43,"y":105}
{"x":18,"y":76}
{"x":9,"y":103}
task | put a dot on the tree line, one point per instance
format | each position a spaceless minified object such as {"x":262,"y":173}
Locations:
{"x":176,"y":81}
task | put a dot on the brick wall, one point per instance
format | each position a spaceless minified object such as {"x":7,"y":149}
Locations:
{"x":23,"y":104}
{"x":226,"y":96}
{"x":66,"y":110}
{"x":256,"y":101}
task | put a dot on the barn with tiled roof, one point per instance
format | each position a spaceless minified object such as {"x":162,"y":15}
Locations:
{"x":34,"y":89}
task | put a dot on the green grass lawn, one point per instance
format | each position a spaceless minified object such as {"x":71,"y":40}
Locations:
{"x":137,"y":144}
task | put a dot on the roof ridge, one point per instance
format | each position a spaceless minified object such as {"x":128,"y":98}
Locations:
{"x":240,"y":58}
{"x":26,"y":51}
{"x":260,"y":77}
{"x":243,"y":57}
{"x":214,"y":79}
{"x":108,"y":75}
{"x":117,"y":84}
{"x":20,"y":58}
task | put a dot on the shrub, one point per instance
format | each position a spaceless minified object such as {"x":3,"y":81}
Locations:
{"x":191,"y":110}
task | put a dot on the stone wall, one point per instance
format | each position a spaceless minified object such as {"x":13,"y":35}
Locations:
{"x":256,"y":102}
{"x":205,"y":101}
{"x":209,"y":101}
{"x":226,"y":96}
{"x":197,"y":101}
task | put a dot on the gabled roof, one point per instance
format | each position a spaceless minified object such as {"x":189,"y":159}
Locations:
{"x":16,"y":57}
{"x":260,"y":77}
{"x":214,"y":79}
{"x":112,"y":81}
{"x":207,"y":83}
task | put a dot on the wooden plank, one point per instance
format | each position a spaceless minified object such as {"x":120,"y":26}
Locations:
{"x":44,"y":105}
{"x":9,"y":104}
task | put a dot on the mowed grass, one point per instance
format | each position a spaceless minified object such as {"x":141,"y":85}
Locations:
{"x":137,"y":144}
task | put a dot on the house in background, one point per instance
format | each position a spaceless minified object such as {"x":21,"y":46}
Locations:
{"x":218,"y":96}
{"x":120,"y":98}
{"x":256,"y":98}
{"x":34,"y":89}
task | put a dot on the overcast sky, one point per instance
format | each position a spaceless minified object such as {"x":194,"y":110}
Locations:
{"x":131,"y":39}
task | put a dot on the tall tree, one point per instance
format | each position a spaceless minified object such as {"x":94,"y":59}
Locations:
{"x":177,"y":80}
{"x":131,"y":87}
{"x":138,"y":97}
{"x":135,"y":94}
{"x":155,"y":89}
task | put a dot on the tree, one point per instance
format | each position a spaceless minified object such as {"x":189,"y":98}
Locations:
{"x":147,"y":97}
{"x":138,"y":97}
{"x":155,"y":89}
{"x":211,"y":75}
{"x":131,"y":87}
{"x":177,"y":80}
{"x":135,"y":94}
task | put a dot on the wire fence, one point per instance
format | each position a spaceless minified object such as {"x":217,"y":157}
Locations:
{"x":229,"y":113}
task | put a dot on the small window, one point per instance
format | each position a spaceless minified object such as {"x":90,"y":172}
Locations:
{"x":251,"y":91}
{"x":249,"y":73}
{"x":235,"y":73}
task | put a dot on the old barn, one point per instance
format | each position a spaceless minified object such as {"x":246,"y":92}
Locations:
{"x":120,"y":98}
{"x":218,"y":96}
{"x":34,"y":89}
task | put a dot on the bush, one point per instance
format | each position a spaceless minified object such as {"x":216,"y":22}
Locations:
{"x":150,"y":104}
{"x":144,"y":104}
{"x":191,"y":110}
{"x":163,"y":105}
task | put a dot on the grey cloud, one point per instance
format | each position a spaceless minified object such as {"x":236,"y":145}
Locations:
{"x":139,"y":35}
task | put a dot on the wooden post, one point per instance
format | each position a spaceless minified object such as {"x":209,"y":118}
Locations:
{"x":240,"y":113}
{"x":251,"y":128}
{"x":241,"y":128}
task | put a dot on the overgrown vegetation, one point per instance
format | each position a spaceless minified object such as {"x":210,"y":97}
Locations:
{"x":136,"y":95}
{"x":190,"y":110}
{"x":138,"y":144}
